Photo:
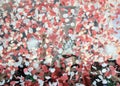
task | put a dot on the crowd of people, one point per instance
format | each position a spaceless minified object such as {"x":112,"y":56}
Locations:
{"x":59,"y":43}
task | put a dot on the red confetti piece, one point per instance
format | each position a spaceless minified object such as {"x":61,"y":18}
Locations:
{"x":107,"y":74}
{"x":44,"y":68}
{"x":6,"y":36}
{"x":88,"y":39}
{"x":92,"y":7}
{"x":111,"y":5}
{"x":64,"y":77}
{"x":113,"y":70}
{"x":42,"y":30}
{"x":77,"y":77}
{"x":94,"y":32}
{"x":53,"y":37}
{"x":25,"y":70}
{"x":70,"y":31}
{"x":34,"y":71}
{"x":78,"y":27}
{"x":12,"y":83}
{"x":77,"y":43}
{"x":28,"y":83}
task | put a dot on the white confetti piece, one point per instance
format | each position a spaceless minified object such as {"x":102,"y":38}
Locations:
{"x":111,"y":50}
{"x":41,"y":82}
{"x":68,"y":51}
{"x":26,"y":21}
{"x":27,"y":73}
{"x":16,"y":64}
{"x":72,"y":11}
{"x":22,"y":83}
{"x":79,"y":84}
{"x":67,"y":20}
{"x":94,"y":67}
{"x":30,"y":69}
{"x":56,"y":10}
{"x":104,"y":70}
{"x":77,"y":61}
{"x":100,"y":59}
{"x":20,"y":9}
{"x":60,"y":50}
{"x":32,"y":44}
{"x":20,"y":59}
{"x":35,"y":65}
{"x":98,"y":80}
{"x":72,"y":24}
{"x":1,"y":48}
{"x":104,"y":65}
{"x":52,"y":70}
{"x":53,"y":84}
{"x":30,"y":30}
{"x":95,"y":28}
{"x":27,"y":63}
{"x":45,"y":46}
{"x":49,"y":31}
{"x":57,"y":18}
{"x":104,"y":81}
{"x":18,"y":16}
{"x":12,"y":72}
{"x":94,"y":83}
{"x":18,"y":1}
{"x":47,"y":77}
{"x":65,"y":15}
{"x":34,"y":76}
{"x":48,"y":60}
{"x":110,"y":76}
{"x":101,"y":77}
{"x":46,"y":25}
{"x":36,"y":13}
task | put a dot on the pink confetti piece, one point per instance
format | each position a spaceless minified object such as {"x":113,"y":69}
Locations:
{"x":64,"y":77}
{"x":44,"y":68}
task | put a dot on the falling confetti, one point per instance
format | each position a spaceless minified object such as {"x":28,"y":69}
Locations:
{"x":59,"y":42}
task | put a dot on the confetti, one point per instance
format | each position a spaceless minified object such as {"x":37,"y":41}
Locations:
{"x":39,"y":41}
{"x":52,"y":70}
{"x":2,"y":82}
{"x":104,"y":81}
{"x":1,"y":48}
{"x":32,"y":43}
{"x":104,"y":64}
{"x":47,"y":77}
{"x":104,"y":70}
